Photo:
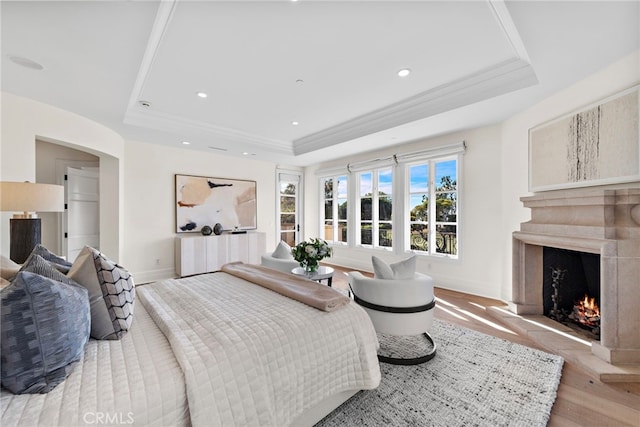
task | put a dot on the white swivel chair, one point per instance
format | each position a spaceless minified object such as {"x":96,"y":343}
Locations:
{"x":280,"y":259}
{"x":284,"y":265}
{"x":397,"y":307}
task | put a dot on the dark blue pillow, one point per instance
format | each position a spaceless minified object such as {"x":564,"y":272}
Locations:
{"x":44,"y":325}
{"x":59,"y":263}
{"x":37,"y":264}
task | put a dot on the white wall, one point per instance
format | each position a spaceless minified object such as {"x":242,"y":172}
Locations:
{"x":24,"y":121}
{"x":614,"y":78}
{"x":149,"y":205}
{"x":478,"y":268}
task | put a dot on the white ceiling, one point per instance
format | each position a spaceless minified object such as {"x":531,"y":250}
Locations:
{"x":473,"y":63}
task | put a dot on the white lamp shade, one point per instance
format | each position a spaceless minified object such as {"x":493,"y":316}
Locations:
{"x":31,"y":197}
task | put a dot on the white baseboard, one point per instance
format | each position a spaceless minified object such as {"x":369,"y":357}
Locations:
{"x":141,"y":277}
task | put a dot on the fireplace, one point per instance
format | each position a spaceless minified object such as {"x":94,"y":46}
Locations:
{"x":604,"y":223}
{"x":571,"y":289}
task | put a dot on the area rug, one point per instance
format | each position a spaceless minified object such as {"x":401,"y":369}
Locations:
{"x":474,"y":380}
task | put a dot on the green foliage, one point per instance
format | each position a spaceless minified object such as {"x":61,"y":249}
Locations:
{"x":310,"y":253}
{"x":445,"y":203}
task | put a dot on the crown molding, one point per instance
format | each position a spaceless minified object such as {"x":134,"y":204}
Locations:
{"x":137,"y":116}
{"x":498,"y":79}
{"x":181,"y":126}
{"x":504,"y":77}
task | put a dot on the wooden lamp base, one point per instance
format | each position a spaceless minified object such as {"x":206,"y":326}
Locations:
{"x":25,"y":234}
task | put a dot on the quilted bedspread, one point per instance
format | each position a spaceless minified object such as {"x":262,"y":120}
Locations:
{"x":132,"y":381}
{"x":252,"y":357}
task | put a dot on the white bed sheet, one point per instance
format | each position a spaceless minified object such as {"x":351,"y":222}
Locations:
{"x":252,"y":357}
{"x":133,"y":381}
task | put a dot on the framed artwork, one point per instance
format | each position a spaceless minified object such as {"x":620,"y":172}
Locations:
{"x":597,"y":145}
{"x":202,"y":200}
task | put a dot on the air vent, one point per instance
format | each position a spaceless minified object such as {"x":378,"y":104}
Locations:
{"x":218,"y":148}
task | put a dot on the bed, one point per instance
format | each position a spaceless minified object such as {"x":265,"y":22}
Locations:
{"x":213,"y":349}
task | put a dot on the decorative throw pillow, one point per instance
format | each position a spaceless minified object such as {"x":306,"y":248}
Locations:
{"x":283,"y":251}
{"x":8,"y":268}
{"x":38,"y":265}
{"x":404,"y":269}
{"x":111,"y":293}
{"x":59,"y":263}
{"x":44,"y":327}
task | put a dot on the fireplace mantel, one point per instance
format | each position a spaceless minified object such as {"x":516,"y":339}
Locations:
{"x":600,"y":221}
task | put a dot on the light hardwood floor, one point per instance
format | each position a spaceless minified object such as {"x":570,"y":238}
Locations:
{"x":582,"y":400}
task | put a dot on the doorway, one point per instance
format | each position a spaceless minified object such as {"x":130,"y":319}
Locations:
{"x":52,"y":161}
{"x":289,"y":206}
{"x":81,"y":217}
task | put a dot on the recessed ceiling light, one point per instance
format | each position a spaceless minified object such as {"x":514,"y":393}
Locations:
{"x":201,"y":94}
{"x":245,"y":153}
{"x":404,"y":72}
{"x":295,"y":123}
{"x":299,"y":81}
{"x":144,"y":103}
{"x":25,"y":62}
{"x":185,"y":143}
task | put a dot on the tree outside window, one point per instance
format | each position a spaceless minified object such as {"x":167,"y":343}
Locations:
{"x":335,"y":209}
{"x":433,"y":227}
{"x":376,"y":208}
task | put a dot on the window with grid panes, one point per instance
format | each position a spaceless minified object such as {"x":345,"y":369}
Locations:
{"x":375,"y":199}
{"x":335,"y":208}
{"x":432,"y":191}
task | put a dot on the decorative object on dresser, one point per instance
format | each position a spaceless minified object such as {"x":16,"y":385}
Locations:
{"x":310,"y":253}
{"x":595,"y":146}
{"x":217,"y":229}
{"x":28,"y":197}
{"x":206,"y":230}
{"x":399,"y":302}
{"x":202,"y":200}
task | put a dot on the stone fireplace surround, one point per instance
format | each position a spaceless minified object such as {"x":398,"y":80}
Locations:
{"x":599,"y":221}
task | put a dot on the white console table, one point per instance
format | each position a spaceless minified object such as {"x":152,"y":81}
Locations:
{"x":196,"y":254}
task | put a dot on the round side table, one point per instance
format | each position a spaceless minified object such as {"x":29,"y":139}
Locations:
{"x":322,"y":273}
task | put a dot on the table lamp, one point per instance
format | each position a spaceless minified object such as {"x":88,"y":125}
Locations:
{"x":28,"y":198}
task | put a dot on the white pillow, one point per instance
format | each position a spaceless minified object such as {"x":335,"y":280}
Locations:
{"x":283,"y":251}
{"x":8,"y":268}
{"x":404,"y":269}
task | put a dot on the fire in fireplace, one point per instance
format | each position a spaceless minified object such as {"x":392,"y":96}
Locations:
{"x":571,"y":289}
{"x":587,"y":313}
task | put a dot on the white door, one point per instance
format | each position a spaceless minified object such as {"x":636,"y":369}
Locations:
{"x":289,"y":206}
{"x":83,"y":211}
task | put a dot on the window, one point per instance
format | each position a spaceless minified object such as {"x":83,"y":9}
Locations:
{"x":376,"y":203}
{"x":335,"y":208}
{"x":421,"y":217}
{"x":433,"y":206}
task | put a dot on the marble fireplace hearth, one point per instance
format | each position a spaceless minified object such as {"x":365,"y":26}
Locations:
{"x":600,"y":221}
